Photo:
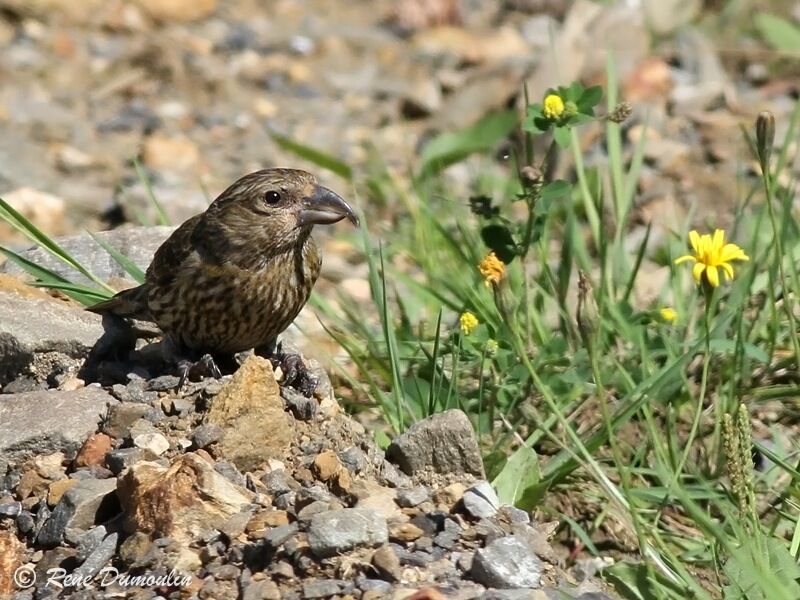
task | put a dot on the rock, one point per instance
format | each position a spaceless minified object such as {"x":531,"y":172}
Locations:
{"x":137,"y":243}
{"x":122,"y":458}
{"x":404,"y":532}
{"x":43,"y":422}
{"x":376,"y":497}
{"x":177,"y":10}
{"x":387,"y":564}
{"x":302,"y":408}
{"x":444,"y":443}
{"x":481,"y":500}
{"x":89,"y":542}
{"x":155,"y":443}
{"x":507,"y":563}
{"x":57,"y":490}
{"x":337,"y":531}
{"x":98,"y":558}
{"x":123,"y":416}
{"x":44,"y":210}
{"x":11,"y":552}
{"x":250,"y":411}
{"x":183,"y":501}
{"x":409,"y":498}
{"x":326,"y":465}
{"x":322,"y":588}
{"x":206,"y":434}
{"x":33,"y":324}
{"x":94,"y":450}
{"x":262,"y":590}
{"x":88,"y":502}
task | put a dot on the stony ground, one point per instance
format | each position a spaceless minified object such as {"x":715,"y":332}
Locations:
{"x":237,"y":488}
{"x":147,"y":480}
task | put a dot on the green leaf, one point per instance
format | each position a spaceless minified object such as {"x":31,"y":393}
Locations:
{"x":483,"y":136}
{"x":312,"y":155}
{"x":520,"y":473}
{"x":556,"y":189}
{"x":562,"y":136}
{"x":590,"y":98}
{"x":499,"y":239}
{"x":779,"y":33}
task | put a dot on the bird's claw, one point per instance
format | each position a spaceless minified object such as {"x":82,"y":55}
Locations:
{"x":295,"y":372}
{"x":297,"y":375}
{"x":195,"y":371}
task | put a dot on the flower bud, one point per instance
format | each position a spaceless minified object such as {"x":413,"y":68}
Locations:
{"x":765,"y":137}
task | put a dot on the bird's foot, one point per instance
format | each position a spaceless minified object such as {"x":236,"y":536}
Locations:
{"x":295,"y":372}
{"x":197,"y":370}
{"x":297,"y":375}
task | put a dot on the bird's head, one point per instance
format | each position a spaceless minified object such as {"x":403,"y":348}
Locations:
{"x":281,"y":205}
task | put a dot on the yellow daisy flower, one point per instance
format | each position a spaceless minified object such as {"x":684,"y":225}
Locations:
{"x":668,"y":314}
{"x":468,"y":322}
{"x":710,"y":255}
{"x":492,"y":269}
{"x":553,"y":106}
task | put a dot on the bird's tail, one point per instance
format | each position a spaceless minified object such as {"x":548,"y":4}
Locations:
{"x":131,"y":303}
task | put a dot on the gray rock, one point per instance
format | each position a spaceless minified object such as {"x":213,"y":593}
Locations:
{"x":10,"y":509}
{"x":87,"y":502}
{"x":515,"y":515}
{"x":31,"y":326}
{"x":89,"y":542}
{"x":322,"y":588}
{"x":386,"y":562}
{"x":354,"y":459}
{"x":206,"y":434}
{"x":45,"y":422}
{"x":444,"y":443}
{"x":413,"y":497}
{"x":99,"y":557}
{"x":137,"y":243}
{"x":277,"y":536}
{"x":336,"y":531}
{"x":481,"y":500}
{"x":119,"y":460}
{"x":507,"y":563}
{"x":301,"y":407}
{"x":121,"y":418}
{"x":279,"y":482}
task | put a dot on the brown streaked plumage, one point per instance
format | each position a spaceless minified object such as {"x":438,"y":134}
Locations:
{"x":234,"y":277}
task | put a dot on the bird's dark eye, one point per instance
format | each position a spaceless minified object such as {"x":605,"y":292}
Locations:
{"x":272,"y":197}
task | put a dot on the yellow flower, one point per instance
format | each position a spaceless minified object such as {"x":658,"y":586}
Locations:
{"x":468,"y":322}
{"x":668,"y":314}
{"x":553,"y":106}
{"x":711,"y":254}
{"x":491,"y":347}
{"x":492,"y":269}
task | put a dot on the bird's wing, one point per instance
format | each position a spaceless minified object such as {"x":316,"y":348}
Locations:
{"x":173,"y":253}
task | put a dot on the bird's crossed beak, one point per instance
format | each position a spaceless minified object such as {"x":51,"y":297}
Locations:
{"x":324,"y":207}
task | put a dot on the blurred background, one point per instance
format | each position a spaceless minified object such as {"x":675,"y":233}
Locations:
{"x":200,"y":92}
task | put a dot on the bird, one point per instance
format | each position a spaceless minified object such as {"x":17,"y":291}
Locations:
{"x":234,"y":277}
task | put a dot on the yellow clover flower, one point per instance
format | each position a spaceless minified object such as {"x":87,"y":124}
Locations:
{"x":468,"y":322}
{"x":553,"y":106}
{"x":492,"y":269}
{"x":710,"y":255}
{"x":668,"y":314}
